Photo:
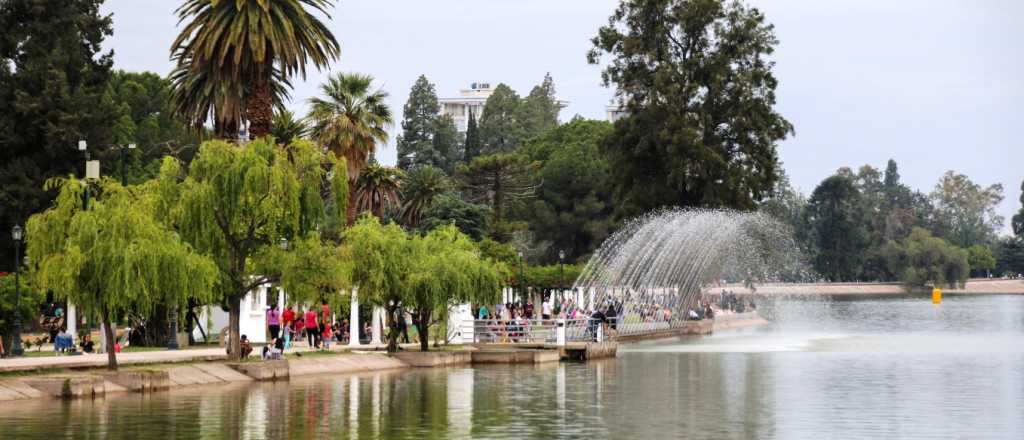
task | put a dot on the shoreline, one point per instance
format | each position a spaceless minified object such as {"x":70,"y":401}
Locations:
{"x":978,"y":286}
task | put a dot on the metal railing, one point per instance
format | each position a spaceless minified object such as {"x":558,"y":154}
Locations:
{"x":544,"y":331}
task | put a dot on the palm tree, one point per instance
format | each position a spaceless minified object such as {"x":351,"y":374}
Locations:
{"x":350,"y":120}
{"x":419,"y":189}
{"x":196,"y":96}
{"x":286,"y":128}
{"x":377,"y":190}
{"x":242,"y":43}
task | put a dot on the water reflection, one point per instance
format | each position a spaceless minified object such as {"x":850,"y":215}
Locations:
{"x":840,"y":389}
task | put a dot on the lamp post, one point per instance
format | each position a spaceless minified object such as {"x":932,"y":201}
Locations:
{"x":522,"y":279}
{"x":16,"y":233}
{"x":84,"y":147}
{"x":124,"y":170}
{"x":561,"y":272}
{"x":284,"y":247}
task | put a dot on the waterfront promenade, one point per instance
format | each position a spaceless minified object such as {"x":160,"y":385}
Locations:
{"x":146,"y":357}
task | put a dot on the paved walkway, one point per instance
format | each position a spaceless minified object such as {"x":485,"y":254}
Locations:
{"x":143,"y":357}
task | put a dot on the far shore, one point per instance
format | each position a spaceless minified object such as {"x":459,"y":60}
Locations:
{"x":978,"y":286}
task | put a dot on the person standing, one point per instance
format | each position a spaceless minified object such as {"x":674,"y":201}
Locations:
{"x":273,"y":322}
{"x":312,"y":328}
{"x":403,"y":327}
{"x":545,"y":309}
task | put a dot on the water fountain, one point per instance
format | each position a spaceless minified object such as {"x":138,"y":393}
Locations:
{"x":657,"y":266}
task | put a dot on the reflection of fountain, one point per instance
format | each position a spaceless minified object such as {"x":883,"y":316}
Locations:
{"x":656,"y":266}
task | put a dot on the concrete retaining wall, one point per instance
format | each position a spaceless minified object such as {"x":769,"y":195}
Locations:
{"x":435,"y":359}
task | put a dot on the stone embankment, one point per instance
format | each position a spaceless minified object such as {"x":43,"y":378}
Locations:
{"x":149,"y":378}
{"x":979,"y":286}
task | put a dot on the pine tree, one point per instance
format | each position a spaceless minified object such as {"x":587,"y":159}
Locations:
{"x":539,"y":111}
{"x":418,"y":124}
{"x":500,"y":128}
{"x":472,"y":144}
{"x":53,"y":92}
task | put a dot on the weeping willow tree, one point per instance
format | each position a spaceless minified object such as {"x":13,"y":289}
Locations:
{"x":239,"y":204}
{"x":449,"y":270}
{"x":115,"y":256}
{"x":426,"y":274}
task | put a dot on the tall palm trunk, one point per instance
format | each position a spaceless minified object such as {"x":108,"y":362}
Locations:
{"x":259,"y":110}
{"x":351,"y":202}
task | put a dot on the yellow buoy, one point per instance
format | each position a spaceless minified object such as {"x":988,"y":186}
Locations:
{"x":936,"y":296}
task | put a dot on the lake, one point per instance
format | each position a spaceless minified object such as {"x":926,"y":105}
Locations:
{"x":824,"y":368}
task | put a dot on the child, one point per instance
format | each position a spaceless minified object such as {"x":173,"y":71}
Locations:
{"x":327,"y":336}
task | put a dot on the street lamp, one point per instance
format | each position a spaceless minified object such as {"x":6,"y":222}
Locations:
{"x":561,"y":272}
{"x":16,"y":233}
{"x":124,"y":171}
{"x":84,"y":147}
{"x":522,"y":279}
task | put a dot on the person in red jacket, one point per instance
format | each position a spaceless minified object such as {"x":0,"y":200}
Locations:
{"x":312,"y":328}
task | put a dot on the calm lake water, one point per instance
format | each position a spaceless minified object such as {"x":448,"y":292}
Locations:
{"x":863,"y":368}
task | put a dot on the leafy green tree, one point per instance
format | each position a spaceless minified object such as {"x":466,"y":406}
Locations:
{"x":286,"y":128}
{"x":114,"y":257}
{"x":471,"y":147}
{"x":237,"y":204}
{"x":966,"y":211}
{"x":449,"y":208}
{"x":350,"y":120}
{"x":981,"y":260}
{"x":787,"y":205}
{"x":898,"y":208}
{"x":501,"y":130}
{"x":421,"y":186}
{"x":1009,"y":256}
{"x":699,"y":94}
{"x":448,"y":270}
{"x":53,"y":92}
{"x":446,"y":152}
{"x":836,"y":229}
{"x":921,"y":259}
{"x":141,"y":99}
{"x":241,"y":43}
{"x":424,"y":274}
{"x":418,"y":124}
{"x":378,"y":190}
{"x":573,"y":209}
{"x":551,"y":276}
{"x":500,"y":181}
{"x":539,"y":110}
{"x":1018,"y":218}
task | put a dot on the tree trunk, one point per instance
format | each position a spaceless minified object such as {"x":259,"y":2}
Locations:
{"x":234,"y":341}
{"x":423,"y":327}
{"x":351,"y":202}
{"x":392,"y":329}
{"x":111,"y":356}
{"x":260,"y":108}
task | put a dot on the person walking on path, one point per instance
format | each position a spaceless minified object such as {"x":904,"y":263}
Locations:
{"x":312,"y":328}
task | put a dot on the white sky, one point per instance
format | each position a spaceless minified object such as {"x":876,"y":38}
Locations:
{"x":934,"y":84}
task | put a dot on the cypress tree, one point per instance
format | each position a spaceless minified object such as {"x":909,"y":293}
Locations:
{"x":472,"y":146}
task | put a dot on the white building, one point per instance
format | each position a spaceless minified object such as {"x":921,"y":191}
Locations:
{"x":614,"y":112}
{"x":471,"y":100}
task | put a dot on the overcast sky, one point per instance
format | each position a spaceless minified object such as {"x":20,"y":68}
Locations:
{"x":936,"y":85}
